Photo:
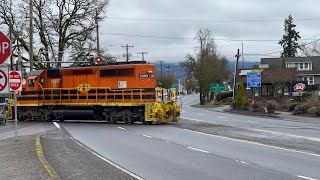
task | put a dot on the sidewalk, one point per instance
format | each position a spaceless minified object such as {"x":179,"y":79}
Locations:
{"x":19,"y":159}
{"x":279,"y":114}
{"x":289,"y":116}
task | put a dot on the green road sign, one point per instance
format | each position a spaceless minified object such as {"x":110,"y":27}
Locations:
{"x":217,"y":87}
{"x":174,"y":86}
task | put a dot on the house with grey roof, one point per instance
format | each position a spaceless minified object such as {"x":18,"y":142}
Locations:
{"x":308,"y":68}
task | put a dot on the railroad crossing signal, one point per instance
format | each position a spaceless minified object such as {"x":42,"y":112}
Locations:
{"x":5,"y":48}
{"x":98,"y":59}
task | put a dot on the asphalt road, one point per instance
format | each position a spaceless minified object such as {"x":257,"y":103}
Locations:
{"x":173,"y":152}
{"x":253,"y":123}
{"x":164,"y":152}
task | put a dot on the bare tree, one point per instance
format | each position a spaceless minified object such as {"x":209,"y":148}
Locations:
{"x":312,"y":49}
{"x":59,"y":26}
{"x":207,"y":66}
{"x":279,"y":77}
{"x":167,"y":81}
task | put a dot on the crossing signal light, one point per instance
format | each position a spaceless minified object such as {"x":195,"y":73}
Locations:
{"x":99,"y":60}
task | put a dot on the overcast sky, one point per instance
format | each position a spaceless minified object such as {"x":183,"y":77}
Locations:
{"x":229,"y":20}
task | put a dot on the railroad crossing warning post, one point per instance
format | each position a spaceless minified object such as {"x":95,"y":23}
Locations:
{"x":15,"y":86}
{"x":4,"y":85}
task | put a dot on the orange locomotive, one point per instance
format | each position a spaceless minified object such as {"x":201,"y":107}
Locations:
{"x":119,"y":92}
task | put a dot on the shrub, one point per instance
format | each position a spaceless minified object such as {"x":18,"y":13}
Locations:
{"x":297,"y":110}
{"x":312,"y":110}
{"x":246,"y":106}
{"x":271,"y":106}
{"x":241,"y":97}
{"x":224,"y":95}
{"x":305,"y":106}
{"x":317,"y":112}
{"x":307,"y":96}
{"x":257,"y":106}
{"x":291,"y":106}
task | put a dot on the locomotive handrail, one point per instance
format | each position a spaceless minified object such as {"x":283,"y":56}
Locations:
{"x":53,"y":90}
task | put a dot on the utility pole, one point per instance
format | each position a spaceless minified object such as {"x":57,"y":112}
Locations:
{"x":161,"y":62}
{"x":127,"y":51}
{"x":235,"y":75}
{"x":30,"y":35}
{"x":242,"y":55}
{"x":142,"y":53}
{"x":97,"y":31}
{"x":10,"y":36}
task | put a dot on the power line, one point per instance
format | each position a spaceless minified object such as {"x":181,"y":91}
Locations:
{"x":208,"y":21}
{"x":186,"y":38}
{"x":267,"y":52}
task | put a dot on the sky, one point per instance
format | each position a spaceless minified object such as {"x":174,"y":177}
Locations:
{"x":166,"y":28}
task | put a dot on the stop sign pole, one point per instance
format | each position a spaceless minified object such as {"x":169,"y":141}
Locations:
{"x":15,"y":86}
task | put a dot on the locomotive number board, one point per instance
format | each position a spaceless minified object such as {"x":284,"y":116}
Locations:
{"x":146,"y":75}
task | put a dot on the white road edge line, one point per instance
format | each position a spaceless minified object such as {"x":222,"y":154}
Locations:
{"x":242,"y":162}
{"x":290,"y":135}
{"x":305,"y":177}
{"x":255,"y":143}
{"x":221,"y":117}
{"x":194,"y":119}
{"x":147,"y":136}
{"x":57,"y":125}
{"x":108,"y":161}
{"x":196,"y":149}
{"x":121,"y":128}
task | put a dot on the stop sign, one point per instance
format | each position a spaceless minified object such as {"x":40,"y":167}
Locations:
{"x":5,"y":48}
{"x":15,"y":80}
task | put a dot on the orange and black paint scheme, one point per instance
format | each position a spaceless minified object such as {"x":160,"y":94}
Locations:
{"x":118,"y":92}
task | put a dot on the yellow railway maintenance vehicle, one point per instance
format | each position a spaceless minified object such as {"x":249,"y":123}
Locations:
{"x":121,"y":92}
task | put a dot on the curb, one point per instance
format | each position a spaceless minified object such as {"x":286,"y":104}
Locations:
{"x":251,"y":114}
{"x":43,"y":160}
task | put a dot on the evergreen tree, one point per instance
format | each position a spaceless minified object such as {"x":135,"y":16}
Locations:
{"x":289,"y":39}
{"x":241,"y":96}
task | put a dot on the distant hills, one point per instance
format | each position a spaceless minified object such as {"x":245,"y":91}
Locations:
{"x":179,"y":72}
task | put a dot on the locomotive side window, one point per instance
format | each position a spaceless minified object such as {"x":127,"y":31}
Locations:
{"x":41,"y":80}
{"x":31,"y":82}
{"x":125,"y":72}
{"x":117,"y":72}
{"x":108,"y":72}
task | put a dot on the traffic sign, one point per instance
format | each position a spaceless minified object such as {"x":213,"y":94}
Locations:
{"x":5,"y":48}
{"x":15,"y":81}
{"x":217,"y":87}
{"x":4,"y":80}
{"x":253,"y":79}
{"x":174,"y":86}
{"x":299,"y":87}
